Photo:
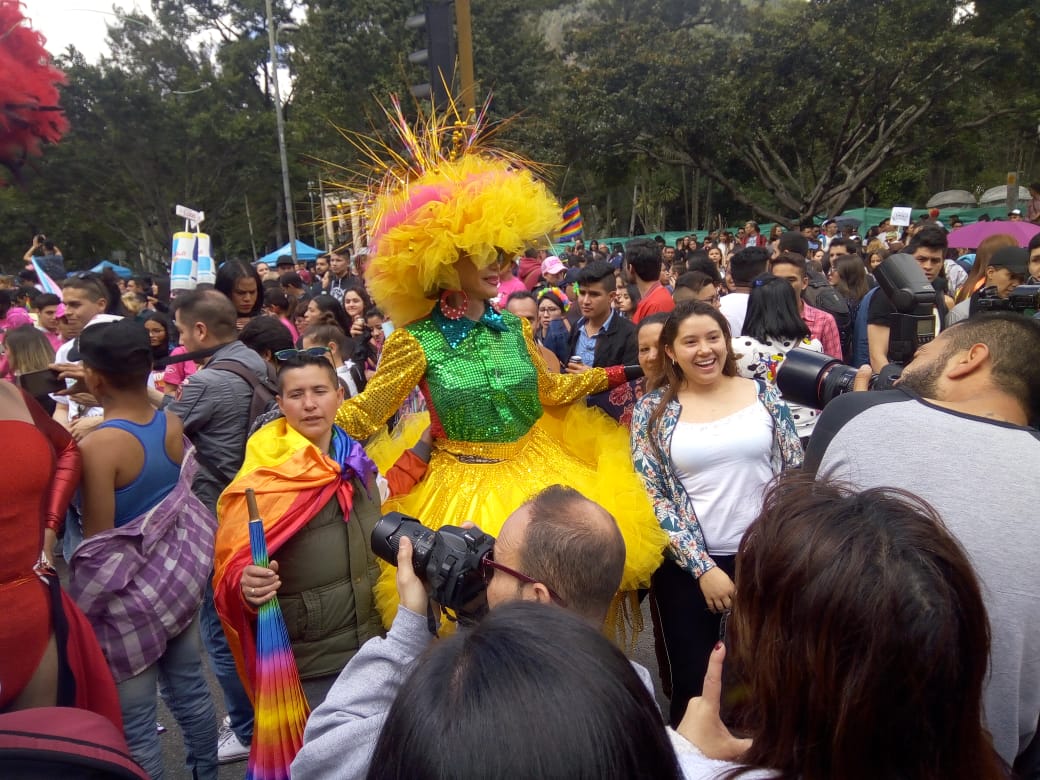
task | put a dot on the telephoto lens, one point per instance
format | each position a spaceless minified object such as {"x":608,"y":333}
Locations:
{"x":813,"y":379}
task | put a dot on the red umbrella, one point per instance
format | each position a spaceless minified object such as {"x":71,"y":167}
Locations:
{"x":970,"y":236}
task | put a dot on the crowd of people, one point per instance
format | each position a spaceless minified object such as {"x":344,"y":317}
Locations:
{"x":862,"y":575}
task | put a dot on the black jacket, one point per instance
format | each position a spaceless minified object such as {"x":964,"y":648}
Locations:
{"x":616,"y":346}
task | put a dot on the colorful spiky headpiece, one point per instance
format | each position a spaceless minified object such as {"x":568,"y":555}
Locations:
{"x":449,"y":194}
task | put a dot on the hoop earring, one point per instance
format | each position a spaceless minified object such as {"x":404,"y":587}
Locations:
{"x":454,"y":312}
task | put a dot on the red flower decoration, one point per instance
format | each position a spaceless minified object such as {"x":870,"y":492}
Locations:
{"x":29,"y":112}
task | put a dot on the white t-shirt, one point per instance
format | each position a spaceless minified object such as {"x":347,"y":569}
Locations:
{"x":734,"y":309}
{"x":761,"y":360}
{"x":724,"y":465}
{"x":76,"y":410}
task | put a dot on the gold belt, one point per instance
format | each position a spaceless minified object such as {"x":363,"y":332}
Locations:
{"x":484,"y":451}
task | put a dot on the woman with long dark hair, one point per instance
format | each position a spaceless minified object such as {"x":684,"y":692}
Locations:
{"x":848,"y":275}
{"x":843,"y":680}
{"x":706,"y":443}
{"x":241,"y":284}
{"x":326,"y":304}
{"x":772,"y":328}
{"x":160,"y":337}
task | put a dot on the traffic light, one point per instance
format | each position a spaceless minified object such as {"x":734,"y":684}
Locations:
{"x":438,"y":20}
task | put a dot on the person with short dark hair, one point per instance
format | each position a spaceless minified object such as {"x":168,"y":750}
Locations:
{"x":822,"y":325}
{"x":267,"y":336}
{"x":928,"y":247}
{"x":214,"y":408}
{"x":696,"y":286}
{"x":1034,"y":259}
{"x":48,"y":255}
{"x":808,"y":691}
{"x":600,"y":338}
{"x":969,"y":396}
{"x":744,"y":266}
{"x":46,"y":306}
{"x":138,"y":509}
{"x":793,"y":241}
{"x":643,"y":269}
{"x":316,"y":493}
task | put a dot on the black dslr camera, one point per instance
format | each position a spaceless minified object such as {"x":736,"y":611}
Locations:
{"x":1025,"y":299}
{"x":448,"y":561}
{"x":813,"y":379}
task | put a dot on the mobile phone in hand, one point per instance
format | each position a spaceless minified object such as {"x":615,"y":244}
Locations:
{"x":37,"y":383}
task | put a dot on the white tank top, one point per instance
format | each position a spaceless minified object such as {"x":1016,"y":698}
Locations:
{"x":724,"y":466}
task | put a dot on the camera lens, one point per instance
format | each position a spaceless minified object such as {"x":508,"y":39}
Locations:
{"x":386,"y":540}
{"x":805,"y":378}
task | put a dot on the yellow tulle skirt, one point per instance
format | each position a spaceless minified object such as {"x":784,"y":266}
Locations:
{"x":572,"y":445}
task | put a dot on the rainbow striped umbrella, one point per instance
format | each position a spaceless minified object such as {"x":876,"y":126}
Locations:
{"x":281,"y":707}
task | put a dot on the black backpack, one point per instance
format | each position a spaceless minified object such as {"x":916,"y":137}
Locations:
{"x":821,"y":295}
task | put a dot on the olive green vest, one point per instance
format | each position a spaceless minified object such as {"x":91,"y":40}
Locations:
{"x":328,"y":571}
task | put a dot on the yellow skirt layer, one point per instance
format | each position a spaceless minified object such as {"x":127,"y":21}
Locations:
{"x":575,"y":446}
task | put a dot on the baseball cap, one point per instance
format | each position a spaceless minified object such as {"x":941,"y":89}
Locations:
{"x":1015,"y":213}
{"x":120,"y":347}
{"x":1013,"y":258}
{"x":285,"y":260}
{"x":552,"y":265}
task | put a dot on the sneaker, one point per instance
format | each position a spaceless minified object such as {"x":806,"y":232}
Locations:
{"x":229,"y":749}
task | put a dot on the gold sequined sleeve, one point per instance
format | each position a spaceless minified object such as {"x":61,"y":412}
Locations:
{"x":557,"y":389}
{"x":401,"y":366}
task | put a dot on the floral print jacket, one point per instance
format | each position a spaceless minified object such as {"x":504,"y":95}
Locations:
{"x":672,"y":505}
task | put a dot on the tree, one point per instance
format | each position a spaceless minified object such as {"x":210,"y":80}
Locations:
{"x":792,"y":107}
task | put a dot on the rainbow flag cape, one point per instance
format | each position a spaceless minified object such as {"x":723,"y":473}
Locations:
{"x":292,"y":480}
{"x":572,"y":222}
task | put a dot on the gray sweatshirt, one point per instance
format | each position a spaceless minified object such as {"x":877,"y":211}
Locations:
{"x":341,"y":734}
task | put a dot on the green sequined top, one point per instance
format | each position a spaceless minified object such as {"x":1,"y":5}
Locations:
{"x":485,"y":381}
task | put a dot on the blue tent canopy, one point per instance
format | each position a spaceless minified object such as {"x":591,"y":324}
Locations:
{"x":120,"y":270}
{"x":303,"y":252}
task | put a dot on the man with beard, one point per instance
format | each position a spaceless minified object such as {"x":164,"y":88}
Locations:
{"x":955,"y":432}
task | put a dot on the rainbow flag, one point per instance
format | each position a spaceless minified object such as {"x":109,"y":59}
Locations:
{"x":572,"y":222}
{"x":292,"y":480}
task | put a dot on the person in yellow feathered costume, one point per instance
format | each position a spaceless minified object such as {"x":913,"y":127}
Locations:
{"x":450,"y":214}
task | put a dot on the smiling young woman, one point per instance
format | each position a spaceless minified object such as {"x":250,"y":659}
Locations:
{"x":706,"y":443}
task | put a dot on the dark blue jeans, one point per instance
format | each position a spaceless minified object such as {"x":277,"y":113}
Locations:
{"x":235,"y":698}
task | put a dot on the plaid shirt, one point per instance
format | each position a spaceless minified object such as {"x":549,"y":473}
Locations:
{"x":141,"y":584}
{"x":823,"y":328}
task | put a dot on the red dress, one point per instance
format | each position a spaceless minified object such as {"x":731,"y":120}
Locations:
{"x":39,"y":472}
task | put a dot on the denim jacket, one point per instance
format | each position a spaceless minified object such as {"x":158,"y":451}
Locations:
{"x":672,"y":505}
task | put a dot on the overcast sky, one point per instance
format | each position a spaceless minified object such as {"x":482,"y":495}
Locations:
{"x":77,"y":22}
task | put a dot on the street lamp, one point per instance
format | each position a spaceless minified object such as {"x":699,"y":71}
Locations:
{"x":272,"y":35}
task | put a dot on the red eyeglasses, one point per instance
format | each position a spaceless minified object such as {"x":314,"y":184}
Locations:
{"x":489,"y":565}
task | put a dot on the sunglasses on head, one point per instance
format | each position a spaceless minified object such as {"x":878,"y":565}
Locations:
{"x":286,"y":354}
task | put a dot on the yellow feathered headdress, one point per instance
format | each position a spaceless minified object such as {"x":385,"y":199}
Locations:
{"x":448,"y":194}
